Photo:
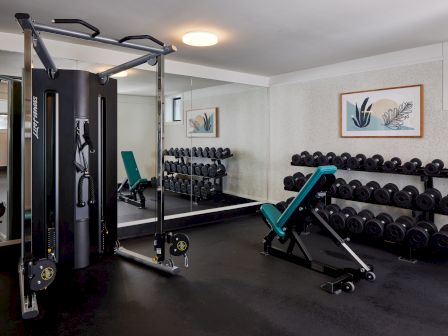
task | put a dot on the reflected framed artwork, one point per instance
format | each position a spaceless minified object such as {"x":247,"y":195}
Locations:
{"x":391,"y":112}
{"x":202,"y":123}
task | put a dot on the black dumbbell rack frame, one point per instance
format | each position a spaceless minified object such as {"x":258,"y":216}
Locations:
{"x":428,"y":182}
{"x":216,"y":180}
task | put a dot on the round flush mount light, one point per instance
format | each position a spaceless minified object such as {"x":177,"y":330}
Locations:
{"x":200,"y":39}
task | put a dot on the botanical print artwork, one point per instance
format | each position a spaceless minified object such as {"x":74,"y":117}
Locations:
{"x":384,"y":113}
{"x":202,"y":122}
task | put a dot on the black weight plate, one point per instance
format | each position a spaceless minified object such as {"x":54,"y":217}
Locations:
{"x":298,"y":175}
{"x":355,"y":183}
{"x":345,"y":191}
{"x":392,"y":187}
{"x":367,"y":214}
{"x":403,"y":199}
{"x":363,"y":193}
{"x":353,"y":163}
{"x":180,"y":244}
{"x":426,"y":201}
{"x":204,"y":170}
{"x":361,"y":157}
{"x":417,"y":237}
{"x":337,"y":221}
{"x":428,"y":226}
{"x":323,"y":160}
{"x":289,"y":200}
{"x":304,"y":153}
{"x":324,"y":214}
{"x":443,"y":205}
{"x":444,"y":228}
{"x":332,"y":191}
{"x":309,"y":161}
{"x":409,"y":168}
{"x":355,"y":224}
{"x":281,"y":206}
{"x":346,"y":155}
{"x":439,"y":242}
{"x":339,"y":162}
{"x":331,"y":208}
{"x":349,"y":211}
{"x":385,"y":217}
{"x":373,"y":184}
{"x":406,"y":220}
{"x":382,"y":196}
{"x":395,"y":232}
{"x":374,"y":228}
{"x":296,"y":160}
{"x":184,"y":169}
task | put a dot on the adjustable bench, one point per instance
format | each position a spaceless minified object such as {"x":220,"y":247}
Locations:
{"x":287,"y":227}
{"x":136,"y":184}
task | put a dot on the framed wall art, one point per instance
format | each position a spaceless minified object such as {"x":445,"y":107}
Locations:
{"x":202,"y":123}
{"x":389,"y":112}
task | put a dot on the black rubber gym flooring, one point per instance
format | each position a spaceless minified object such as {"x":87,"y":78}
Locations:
{"x":231,"y":289}
{"x":174,"y":204}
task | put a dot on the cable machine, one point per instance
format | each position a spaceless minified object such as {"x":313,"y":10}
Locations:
{"x":69,"y":164}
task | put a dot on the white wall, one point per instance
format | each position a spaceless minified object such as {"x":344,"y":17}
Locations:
{"x":305,"y":116}
{"x":242,"y":127}
{"x":137,"y":132}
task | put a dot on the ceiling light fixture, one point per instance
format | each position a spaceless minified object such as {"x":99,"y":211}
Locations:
{"x":200,"y":39}
{"x":120,"y":74}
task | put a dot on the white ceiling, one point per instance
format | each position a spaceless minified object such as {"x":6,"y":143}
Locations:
{"x":139,"y":82}
{"x":258,"y":36}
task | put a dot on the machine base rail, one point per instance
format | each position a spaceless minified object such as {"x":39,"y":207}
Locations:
{"x":341,"y":276}
{"x":147,"y":261}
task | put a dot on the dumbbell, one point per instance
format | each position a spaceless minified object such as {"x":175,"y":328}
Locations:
{"x":189,"y":187}
{"x":204,"y":169}
{"x":281,"y":206}
{"x":405,"y":198}
{"x":171,"y":151}
{"x":166,"y":152}
{"x":337,"y":219}
{"x":411,"y":167}
{"x":375,"y":227}
{"x":212,"y":153}
{"x":347,"y":191}
{"x":392,"y":165}
{"x":176,"y":152}
{"x":434,"y":167}
{"x":183,"y":186}
{"x":194,"y":151}
{"x":385,"y":194}
{"x":296,"y":160}
{"x":206,"y":151}
{"x":199,"y":152}
{"x":443,"y":205}
{"x":373,"y":163}
{"x":177,"y":185}
{"x":205,"y":190}
{"x":325,"y":160}
{"x":312,"y":160}
{"x":179,"y":167}
{"x":182,"y":151}
{"x":356,"y":223}
{"x":166,"y":183}
{"x":187,"y":152}
{"x":419,"y":236}
{"x":356,"y":162}
{"x":429,"y":199}
{"x":173,"y":167}
{"x":212,"y":170}
{"x":167,"y":166}
{"x":198,"y":169}
{"x":184,"y":169}
{"x":365,"y":193}
{"x":295,"y":182}
{"x":396,"y":231}
{"x":439,"y":241}
{"x":333,"y":191}
{"x":172,"y":184}
{"x":289,"y":200}
{"x":341,"y":160}
{"x":328,"y":211}
{"x":223,"y":153}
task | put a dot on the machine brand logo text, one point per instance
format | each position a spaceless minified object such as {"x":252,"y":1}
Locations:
{"x":35,"y":121}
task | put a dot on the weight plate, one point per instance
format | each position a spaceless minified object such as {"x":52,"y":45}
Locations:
{"x":296,"y":160}
{"x":353,"y":163}
{"x":382,"y":196}
{"x":373,"y":185}
{"x":426,"y":201}
{"x":349,"y":211}
{"x":403,"y":199}
{"x":363,"y":193}
{"x":337,"y":221}
{"x":395,"y":232}
{"x":355,"y":183}
{"x":379,"y":159}
{"x":332,"y":208}
{"x":385,"y":217}
{"x":367,"y":214}
{"x":345,"y":191}
{"x":392,"y":187}
{"x":180,"y":244}
{"x":439,"y":242}
{"x":323,"y":160}
{"x":417,"y":237}
{"x":428,"y":226}
{"x":374,"y":228}
{"x":355,"y":224}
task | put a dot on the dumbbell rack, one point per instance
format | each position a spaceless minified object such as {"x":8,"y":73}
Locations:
{"x":217,"y":180}
{"x":428,"y":182}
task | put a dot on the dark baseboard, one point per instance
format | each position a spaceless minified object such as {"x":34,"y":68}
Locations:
{"x":185,"y":222}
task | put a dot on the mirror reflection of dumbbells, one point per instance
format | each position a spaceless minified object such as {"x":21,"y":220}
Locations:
{"x":208,"y":170}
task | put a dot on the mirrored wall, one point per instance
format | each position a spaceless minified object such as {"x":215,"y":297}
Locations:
{"x":215,"y":142}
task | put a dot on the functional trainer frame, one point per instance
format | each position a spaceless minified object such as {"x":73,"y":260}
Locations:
{"x":39,"y":274}
{"x":289,"y":225}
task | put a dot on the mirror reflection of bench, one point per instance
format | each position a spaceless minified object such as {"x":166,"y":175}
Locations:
{"x":132,"y":188}
{"x":287,"y":228}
